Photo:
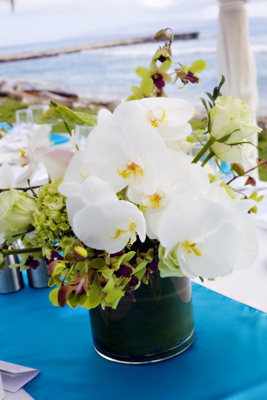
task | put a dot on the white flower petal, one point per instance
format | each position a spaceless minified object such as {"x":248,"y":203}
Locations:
{"x":97,"y":226}
{"x":95,"y":191}
{"x":74,"y":204}
{"x":115,"y":147}
{"x":56,"y":162}
{"x":7,"y":178}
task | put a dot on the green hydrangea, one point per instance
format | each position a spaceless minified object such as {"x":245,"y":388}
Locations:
{"x":50,"y":219}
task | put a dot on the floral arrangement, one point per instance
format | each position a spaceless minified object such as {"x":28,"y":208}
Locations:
{"x":133,"y":202}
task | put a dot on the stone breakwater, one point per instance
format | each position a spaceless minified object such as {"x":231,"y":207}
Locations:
{"x":87,"y":47}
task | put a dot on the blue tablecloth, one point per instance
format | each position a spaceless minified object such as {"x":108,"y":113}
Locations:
{"x":228,"y":360}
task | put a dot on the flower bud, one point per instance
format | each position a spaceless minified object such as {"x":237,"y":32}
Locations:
{"x":262,"y":163}
{"x":80,"y":253}
{"x":239,"y":169}
{"x":251,"y":181}
{"x":162,"y":34}
{"x":50,"y":268}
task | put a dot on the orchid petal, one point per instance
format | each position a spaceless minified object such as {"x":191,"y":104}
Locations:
{"x":97,"y":226}
{"x":56,"y":162}
{"x":95,"y":191}
{"x":7,"y":178}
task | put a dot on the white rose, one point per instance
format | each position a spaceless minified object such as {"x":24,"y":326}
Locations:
{"x":15,"y":211}
{"x":229,"y":115}
{"x":235,"y":154}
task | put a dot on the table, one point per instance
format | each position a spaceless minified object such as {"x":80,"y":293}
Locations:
{"x":226,"y":362}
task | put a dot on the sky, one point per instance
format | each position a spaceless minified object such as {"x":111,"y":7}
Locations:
{"x":40,"y":21}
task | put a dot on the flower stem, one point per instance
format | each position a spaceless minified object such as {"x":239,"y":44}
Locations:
{"x":23,"y":189}
{"x":206,"y":147}
{"x":211,"y":154}
{"x":21,"y":251}
{"x":125,"y":191}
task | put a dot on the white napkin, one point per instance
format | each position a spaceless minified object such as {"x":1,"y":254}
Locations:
{"x":15,"y":376}
{"x":2,"y":394}
{"x":20,"y":395}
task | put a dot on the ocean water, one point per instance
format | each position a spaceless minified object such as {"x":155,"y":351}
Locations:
{"x":107,"y":74}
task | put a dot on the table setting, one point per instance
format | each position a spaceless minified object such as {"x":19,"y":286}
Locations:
{"x":158,"y":232}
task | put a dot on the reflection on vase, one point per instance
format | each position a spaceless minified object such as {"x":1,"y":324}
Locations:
{"x":11,"y":278}
{"x":37,"y":277}
{"x":158,"y":325}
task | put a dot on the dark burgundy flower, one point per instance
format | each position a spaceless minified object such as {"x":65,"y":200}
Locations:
{"x":32,"y":263}
{"x":55,"y":254}
{"x":119,"y":254}
{"x":124,"y":271}
{"x":190,"y":77}
{"x":5,"y":247}
{"x":134,"y":281}
{"x":153,"y":265}
{"x":158,"y":80}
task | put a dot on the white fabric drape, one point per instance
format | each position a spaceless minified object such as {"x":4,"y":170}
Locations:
{"x":235,"y":58}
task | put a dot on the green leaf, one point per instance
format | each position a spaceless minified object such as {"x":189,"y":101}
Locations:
{"x":147,"y":86}
{"x":2,"y":262}
{"x":97,"y":263}
{"x":107,"y":274}
{"x":142,"y":72}
{"x":210,"y":97}
{"x":53,"y":296}
{"x":56,"y":114}
{"x":165,"y":66}
{"x":113,"y":295}
{"x":109,"y":286}
{"x":217,"y":89}
{"x":140,"y":270}
{"x":205,"y":104}
{"x":198,"y":66}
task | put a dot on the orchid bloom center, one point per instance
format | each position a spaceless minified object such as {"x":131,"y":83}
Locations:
{"x":155,"y":200}
{"x":189,"y":248}
{"x":156,"y":117}
{"x":129,"y":234}
{"x":132,"y":173}
{"x":25,"y":160}
{"x":84,"y":173}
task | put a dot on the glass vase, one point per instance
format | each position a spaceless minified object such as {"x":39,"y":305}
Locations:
{"x":158,"y":324}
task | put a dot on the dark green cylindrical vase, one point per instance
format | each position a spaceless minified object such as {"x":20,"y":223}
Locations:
{"x":158,"y":325}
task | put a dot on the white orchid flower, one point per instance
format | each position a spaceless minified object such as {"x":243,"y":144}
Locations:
{"x":56,"y":162}
{"x":73,"y":178}
{"x":102,"y":221}
{"x":7,"y":177}
{"x":219,"y":192}
{"x":125,"y":152}
{"x":209,"y":239}
{"x":33,"y":154}
{"x":169,"y":117}
{"x":179,"y":179}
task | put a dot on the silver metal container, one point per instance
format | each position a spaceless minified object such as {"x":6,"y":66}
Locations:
{"x":37,"y":277}
{"x":11,"y":278}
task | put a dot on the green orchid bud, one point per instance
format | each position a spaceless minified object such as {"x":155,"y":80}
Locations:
{"x":80,"y":253}
{"x":162,"y":34}
{"x":238,"y":168}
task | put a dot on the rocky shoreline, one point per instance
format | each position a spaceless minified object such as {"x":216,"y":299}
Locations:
{"x":41,"y":94}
